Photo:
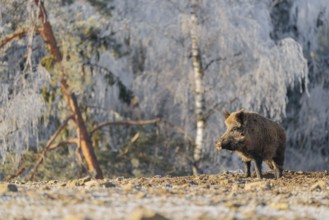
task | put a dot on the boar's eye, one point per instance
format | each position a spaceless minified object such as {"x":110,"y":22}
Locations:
{"x":237,"y":129}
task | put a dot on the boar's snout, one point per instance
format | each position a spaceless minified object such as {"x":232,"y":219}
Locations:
{"x":219,"y":144}
{"x":225,"y":142}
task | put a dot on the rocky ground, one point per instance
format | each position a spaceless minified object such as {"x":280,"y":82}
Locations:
{"x":298,"y":195}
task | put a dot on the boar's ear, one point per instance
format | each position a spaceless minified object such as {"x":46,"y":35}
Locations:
{"x":240,"y":116}
{"x":226,"y":113}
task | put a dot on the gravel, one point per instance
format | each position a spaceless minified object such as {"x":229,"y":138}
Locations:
{"x":298,"y":195}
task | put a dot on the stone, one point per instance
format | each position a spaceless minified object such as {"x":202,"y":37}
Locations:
{"x":7,"y":187}
{"x":259,"y":185}
{"x":75,"y":217}
{"x":141,"y":213}
{"x":320,"y":185}
{"x":280,"y":206}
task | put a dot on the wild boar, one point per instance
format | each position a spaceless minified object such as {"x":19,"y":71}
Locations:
{"x":254,"y":138}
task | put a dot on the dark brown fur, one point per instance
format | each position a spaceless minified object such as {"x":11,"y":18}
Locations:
{"x":254,"y":138}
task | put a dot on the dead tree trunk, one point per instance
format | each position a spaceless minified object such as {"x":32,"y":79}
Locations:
{"x":199,"y":90}
{"x":70,"y":98}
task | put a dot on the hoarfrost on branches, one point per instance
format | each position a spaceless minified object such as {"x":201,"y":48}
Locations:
{"x":20,"y":110}
{"x":248,"y":63}
{"x":308,"y":114}
{"x":244,"y":67}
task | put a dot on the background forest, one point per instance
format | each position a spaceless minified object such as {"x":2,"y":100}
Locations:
{"x":118,"y":82}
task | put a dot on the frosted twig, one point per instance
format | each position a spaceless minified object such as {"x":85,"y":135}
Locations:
{"x":127,"y":122}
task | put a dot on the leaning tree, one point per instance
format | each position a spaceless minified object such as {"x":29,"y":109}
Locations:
{"x":60,"y":80}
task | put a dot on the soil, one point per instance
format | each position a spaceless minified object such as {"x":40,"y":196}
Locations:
{"x":298,"y":195}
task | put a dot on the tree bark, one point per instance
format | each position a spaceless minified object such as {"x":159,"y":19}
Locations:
{"x":81,"y":130}
{"x":199,"y":91}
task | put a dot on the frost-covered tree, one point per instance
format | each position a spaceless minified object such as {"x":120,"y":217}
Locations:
{"x":21,"y":81}
{"x":69,"y":41}
{"x":307,"y":113}
{"x":267,"y":56}
{"x":243,"y":66}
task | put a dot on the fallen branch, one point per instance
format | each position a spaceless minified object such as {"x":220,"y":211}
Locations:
{"x":16,"y":174}
{"x":127,"y":122}
{"x":48,"y":146}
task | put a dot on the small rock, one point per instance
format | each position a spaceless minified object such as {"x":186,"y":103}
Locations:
{"x":140,"y":195}
{"x":320,"y":185}
{"x":300,"y":172}
{"x":250,"y":214}
{"x":119,"y":179}
{"x":232,"y":195}
{"x":235,"y":187}
{"x":52,"y":182}
{"x":45,"y":187}
{"x":128,"y":187}
{"x":257,"y":185}
{"x":7,"y":187}
{"x":85,"y":179}
{"x":204,"y":216}
{"x":74,"y":217}
{"x":93,"y":183}
{"x":109,"y":185}
{"x":233,"y":205}
{"x":141,"y":213}
{"x":193,"y":183}
{"x":72,"y":183}
{"x":280,"y":206}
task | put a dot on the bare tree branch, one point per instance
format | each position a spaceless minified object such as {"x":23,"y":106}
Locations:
{"x":219,"y":59}
{"x":179,"y":130}
{"x":127,"y":122}
{"x":16,"y":174}
{"x":19,"y":34}
{"x":48,"y":146}
{"x":62,"y":143}
{"x":217,"y":106}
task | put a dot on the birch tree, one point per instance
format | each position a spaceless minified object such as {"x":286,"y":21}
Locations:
{"x":199,"y":89}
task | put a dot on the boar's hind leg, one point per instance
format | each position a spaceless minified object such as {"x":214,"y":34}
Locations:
{"x":258,"y":166}
{"x":270,"y":164}
{"x":247,"y":165}
{"x":278,"y":166}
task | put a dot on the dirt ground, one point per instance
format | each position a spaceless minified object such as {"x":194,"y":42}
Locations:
{"x":298,"y":195}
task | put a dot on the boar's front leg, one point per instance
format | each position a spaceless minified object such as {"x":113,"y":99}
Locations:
{"x":247,"y":165}
{"x":258,"y":166}
{"x":278,"y":164}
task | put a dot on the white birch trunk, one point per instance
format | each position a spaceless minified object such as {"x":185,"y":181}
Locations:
{"x":199,"y":91}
